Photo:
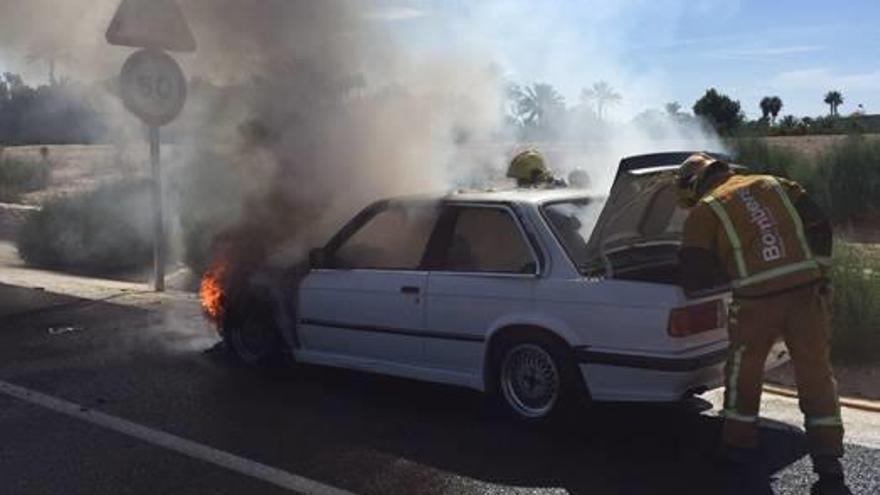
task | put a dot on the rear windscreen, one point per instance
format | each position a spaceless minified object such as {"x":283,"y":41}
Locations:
{"x":572,"y":223}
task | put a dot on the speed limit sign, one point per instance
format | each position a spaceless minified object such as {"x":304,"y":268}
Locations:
{"x":152,"y":86}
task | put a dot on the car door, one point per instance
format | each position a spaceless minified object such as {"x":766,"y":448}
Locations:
{"x":367,"y":302}
{"x":483,"y":268}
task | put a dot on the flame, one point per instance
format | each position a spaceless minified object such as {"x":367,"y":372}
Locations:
{"x":211,"y":289}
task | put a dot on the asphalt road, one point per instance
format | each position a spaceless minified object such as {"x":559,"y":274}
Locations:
{"x":151,"y":363}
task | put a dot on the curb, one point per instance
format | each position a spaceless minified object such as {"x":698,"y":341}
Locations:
{"x":850,"y":402}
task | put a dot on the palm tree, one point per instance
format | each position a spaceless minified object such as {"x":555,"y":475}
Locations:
{"x":770,"y":107}
{"x":603,"y":94}
{"x":765,"y":108}
{"x":536,"y":105}
{"x":775,"y":107}
{"x":834,"y":99}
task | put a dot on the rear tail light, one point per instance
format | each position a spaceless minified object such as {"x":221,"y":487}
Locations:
{"x":697,"y":318}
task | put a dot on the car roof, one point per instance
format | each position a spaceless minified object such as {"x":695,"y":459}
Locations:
{"x":521,"y":195}
{"x":535,"y":196}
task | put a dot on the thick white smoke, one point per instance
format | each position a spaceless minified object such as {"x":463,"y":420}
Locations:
{"x":327,"y":105}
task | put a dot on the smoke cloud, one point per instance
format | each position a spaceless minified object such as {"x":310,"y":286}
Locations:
{"x":303,"y":111}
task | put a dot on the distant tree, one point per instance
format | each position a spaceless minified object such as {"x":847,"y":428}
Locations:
{"x":512,"y":94}
{"x":538,"y":103}
{"x":824,"y":123}
{"x":775,"y":107}
{"x":14,"y":82}
{"x":765,"y":108}
{"x":789,"y":122}
{"x":602,"y":94}
{"x":658,"y":124}
{"x":808,"y":122}
{"x":770,"y":108}
{"x":833,"y":99}
{"x":673,"y":108}
{"x":536,"y":109}
{"x":723,"y":113}
{"x":61,"y":113}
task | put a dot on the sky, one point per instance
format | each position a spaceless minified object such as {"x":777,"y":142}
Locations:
{"x":660,"y":51}
{"x":651,"y":51}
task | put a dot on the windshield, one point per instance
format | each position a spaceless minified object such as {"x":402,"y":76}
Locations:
{"x":572,"y":222}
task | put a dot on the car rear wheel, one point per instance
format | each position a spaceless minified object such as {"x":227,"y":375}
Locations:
{"x":530,"y":380}
{"x":537,"y":380}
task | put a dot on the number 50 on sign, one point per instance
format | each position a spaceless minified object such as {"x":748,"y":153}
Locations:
{"x":152,"y":87}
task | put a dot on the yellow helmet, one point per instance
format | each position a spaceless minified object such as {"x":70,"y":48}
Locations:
{"x":691,"y":175}
{"x":528,"y":167}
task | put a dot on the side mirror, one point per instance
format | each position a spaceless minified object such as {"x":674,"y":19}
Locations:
{"x":317,"y":258}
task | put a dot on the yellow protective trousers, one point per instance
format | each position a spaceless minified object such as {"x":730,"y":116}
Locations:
{"x":801,"y":317}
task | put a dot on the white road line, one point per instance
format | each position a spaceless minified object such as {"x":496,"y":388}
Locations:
{"x":187,"y":447}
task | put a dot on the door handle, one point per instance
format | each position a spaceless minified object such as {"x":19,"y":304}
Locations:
{"x":410,"y":289}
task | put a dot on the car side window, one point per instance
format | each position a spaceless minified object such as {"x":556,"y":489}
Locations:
{"x":487,"y":239}
{"x":393,"y":239}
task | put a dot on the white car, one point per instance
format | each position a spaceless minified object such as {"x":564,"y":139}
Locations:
{"x":540,"y":296}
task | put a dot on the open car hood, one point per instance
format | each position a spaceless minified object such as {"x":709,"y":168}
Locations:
{"x":641,"y":209}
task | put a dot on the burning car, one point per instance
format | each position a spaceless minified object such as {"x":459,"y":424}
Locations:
{"x":540,"y":297}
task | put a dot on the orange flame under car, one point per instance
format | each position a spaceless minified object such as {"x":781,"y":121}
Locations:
{"x":211,"y":289}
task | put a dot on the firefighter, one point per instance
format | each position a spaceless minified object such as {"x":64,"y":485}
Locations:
{"x":530,"y":170}
{"x":579,"y":178}
{"x":771,"y":243}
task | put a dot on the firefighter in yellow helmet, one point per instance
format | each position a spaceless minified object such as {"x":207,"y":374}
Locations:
{"x":770,"y":241}
{"x":530,"y":170}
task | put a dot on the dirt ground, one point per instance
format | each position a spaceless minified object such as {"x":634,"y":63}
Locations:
{"x":77,"y":168}
{"x":861,"y":381}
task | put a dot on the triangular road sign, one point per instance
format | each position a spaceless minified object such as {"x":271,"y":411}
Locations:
{"x":151,"y":24}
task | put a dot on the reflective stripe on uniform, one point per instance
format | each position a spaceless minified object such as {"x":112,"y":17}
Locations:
{"x":795,"y":216}
{"x":776,"y":272}
{"x":813,"y":421}
{"x":732,"y":414}
{"x":733,"y":378}
{"x":732,"y":236}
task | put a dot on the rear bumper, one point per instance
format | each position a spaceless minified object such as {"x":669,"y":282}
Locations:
{"x":636,"y":377}
{"x":658,"y":363}
{"x":644,"y":378}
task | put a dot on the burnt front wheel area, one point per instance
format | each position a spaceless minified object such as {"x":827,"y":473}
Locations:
{"x":252,"y":336}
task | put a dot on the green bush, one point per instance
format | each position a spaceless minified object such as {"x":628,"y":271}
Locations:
{"x":847,"y":179}
{"x":20,"y":176}
{"x":856,"y":322}
{"x":763,"y":158}
{"x":106,"y":230}
{"x":844,"y":180}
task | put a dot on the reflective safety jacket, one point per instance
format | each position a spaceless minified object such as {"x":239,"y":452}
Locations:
{"x":751,"y":225}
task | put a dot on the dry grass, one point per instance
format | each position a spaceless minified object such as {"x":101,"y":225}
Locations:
{"x":78,"y":168}
{"x":810,"y":146}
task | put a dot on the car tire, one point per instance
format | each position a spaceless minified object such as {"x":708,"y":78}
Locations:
{"x":251,"y":335}
{"x":536,"y":379}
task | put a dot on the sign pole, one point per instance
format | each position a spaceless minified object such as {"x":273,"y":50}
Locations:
{"x":152,"y":86}
{"x":158,"y":222}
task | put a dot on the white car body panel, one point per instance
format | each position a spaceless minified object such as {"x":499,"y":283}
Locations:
{"x":365,"y":298}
